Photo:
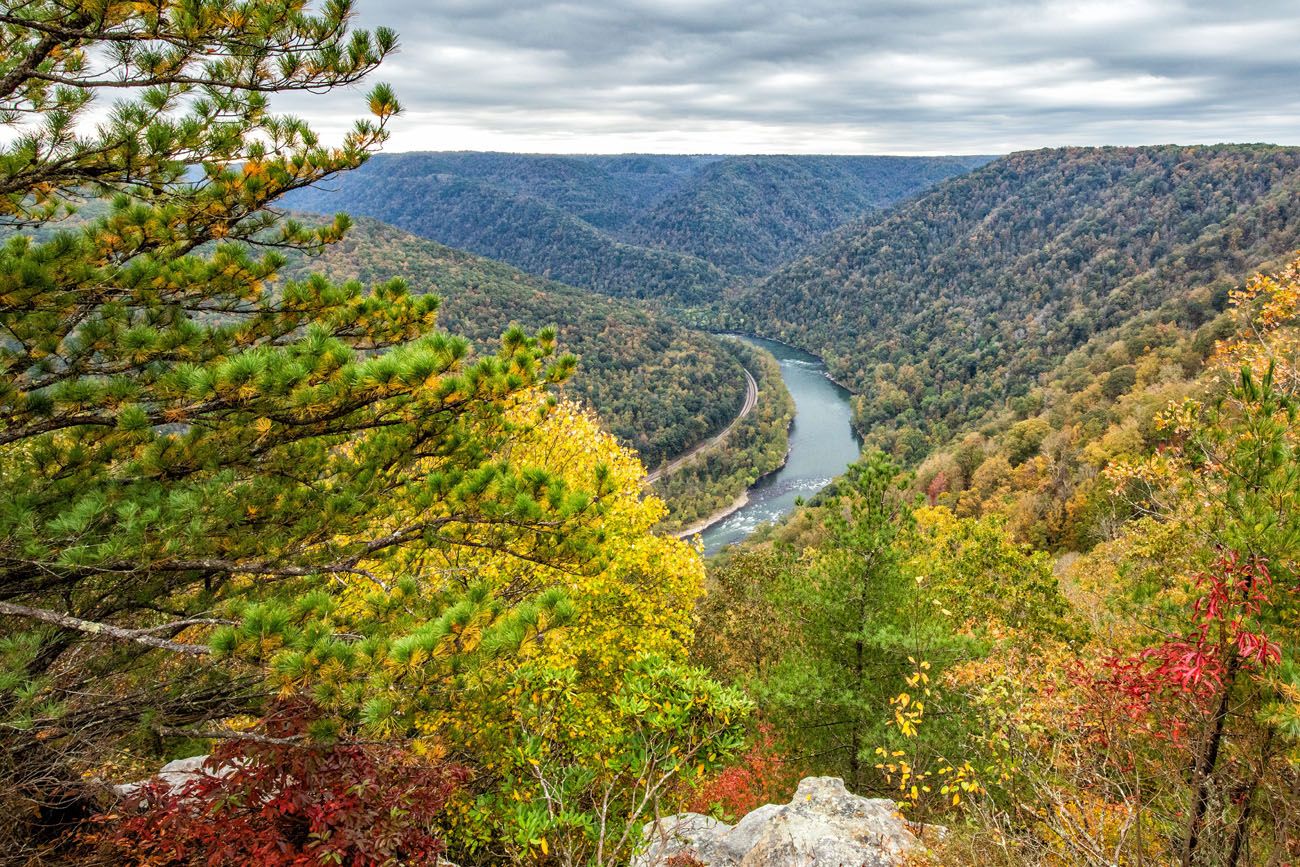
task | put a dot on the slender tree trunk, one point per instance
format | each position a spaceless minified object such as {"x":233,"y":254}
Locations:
{"x":1241,"y":830}
{"x":855,"y":736}
{"x":1141,"y":849}
{"x":854,"y":769}
{"x":1209,"y":759}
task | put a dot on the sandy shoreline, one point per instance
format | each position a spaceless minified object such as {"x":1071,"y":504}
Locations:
{"x":736,"y":505}
{"x":704,"y":523}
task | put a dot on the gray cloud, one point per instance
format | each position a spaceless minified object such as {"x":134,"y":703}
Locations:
{"x":846,"y":76}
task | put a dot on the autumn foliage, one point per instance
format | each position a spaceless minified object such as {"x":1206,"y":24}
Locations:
{"x":281,"y":802}
{"x":763,"y":774}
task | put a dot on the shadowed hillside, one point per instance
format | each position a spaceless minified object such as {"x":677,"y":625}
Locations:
{"x":659,"y":387}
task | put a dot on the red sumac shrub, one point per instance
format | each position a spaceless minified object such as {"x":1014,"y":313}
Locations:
{"x":291,"y":804}
{"x":762,"y":775}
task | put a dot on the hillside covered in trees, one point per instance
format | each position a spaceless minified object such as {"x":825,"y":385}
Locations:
{"x":713,"y":480}
{"x":746,"y":215}
{"x":659,"y":387}
{"x":309,"y":508}
{"x":523,"y":231}
{"x":663,"y":227}
{"x":1069,"y":636}
{"x":946,"y":306}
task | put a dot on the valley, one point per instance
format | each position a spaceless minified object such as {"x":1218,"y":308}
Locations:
{"x":939,"y":310}
{"x":648,"y":509}
{"x":751,"y":400}
{"x":673,"y":232}
{"x":954,"y":303}
{"x":662,"y":388}
{"x":663,"y":228}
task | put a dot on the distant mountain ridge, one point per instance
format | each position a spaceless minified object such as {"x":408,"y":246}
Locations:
{"x":947,"y":305}
{"x":605,"y":191}
{"x":676,"y":228}
{"x":747,"y":215}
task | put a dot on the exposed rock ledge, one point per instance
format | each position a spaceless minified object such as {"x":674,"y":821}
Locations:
{"x":825,"y":825}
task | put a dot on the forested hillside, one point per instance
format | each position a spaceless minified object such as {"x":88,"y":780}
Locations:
{"x":673,"y":227}
{"x":713,"y":480}
{"x":1070,"y":632}
{"x":659,"y":387}
{"x":524,"y":231}
{"x":954,"y":302}
{"x":749,"y":214}
{"x":607,"y":191}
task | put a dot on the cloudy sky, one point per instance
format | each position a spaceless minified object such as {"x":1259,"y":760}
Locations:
{"x":833,"y":76}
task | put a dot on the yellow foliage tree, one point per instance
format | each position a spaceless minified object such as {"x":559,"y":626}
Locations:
{"x":591,"y":720}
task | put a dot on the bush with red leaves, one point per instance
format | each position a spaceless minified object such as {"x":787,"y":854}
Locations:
{"x":284,"y":803}
{"x":762,"y":775}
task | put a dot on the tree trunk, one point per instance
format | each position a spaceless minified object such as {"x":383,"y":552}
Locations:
{"x":1241,"y":830}
{"x":1209,"y":759}
{"x":855,"y":736}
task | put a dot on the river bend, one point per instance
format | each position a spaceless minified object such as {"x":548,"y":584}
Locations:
{"x":822,"y":445}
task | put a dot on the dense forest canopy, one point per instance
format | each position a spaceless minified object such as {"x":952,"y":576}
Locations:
{"x":949,"y":304}
{"x":659,"y":387}
{"x":606,"y":191}
{"x":662,"y":227}
{"x":526,"y":232}
{"x":746,"y":215}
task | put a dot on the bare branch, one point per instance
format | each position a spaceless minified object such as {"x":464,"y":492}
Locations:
{"x":107,"y":630}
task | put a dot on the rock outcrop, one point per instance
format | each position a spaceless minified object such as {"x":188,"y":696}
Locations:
{"x":824,"y":825}
{"x":175,"y":774}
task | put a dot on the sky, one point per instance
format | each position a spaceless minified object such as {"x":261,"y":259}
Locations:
{"x":830,"y":76}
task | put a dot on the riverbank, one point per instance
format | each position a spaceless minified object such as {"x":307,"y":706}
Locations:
{"x":736,"y":505}
{"x":705,"y":523}
{"x":822,"y":445}
{"x":708,"y":485}
{"x":825,"y":370}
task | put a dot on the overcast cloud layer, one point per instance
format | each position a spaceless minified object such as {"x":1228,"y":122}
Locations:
{"x":832,"y":76}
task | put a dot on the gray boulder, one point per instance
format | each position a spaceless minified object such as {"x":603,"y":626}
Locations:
{"x":174,"y":774}
{"x":824,"y":825}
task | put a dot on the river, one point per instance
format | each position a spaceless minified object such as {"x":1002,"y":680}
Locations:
{"x":822,"y":445}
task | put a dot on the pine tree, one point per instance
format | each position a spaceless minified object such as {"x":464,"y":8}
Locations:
{"x":194,"y":455}
{"x":853,"y":642}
